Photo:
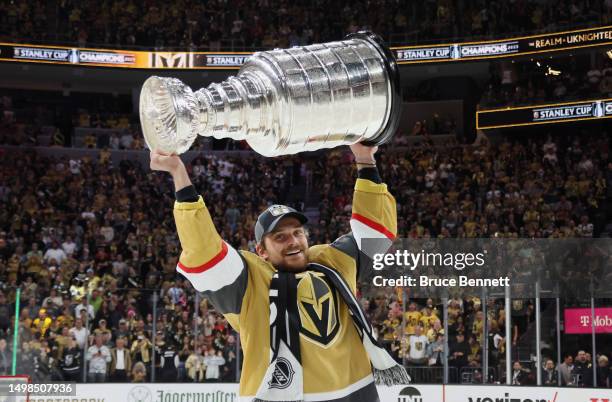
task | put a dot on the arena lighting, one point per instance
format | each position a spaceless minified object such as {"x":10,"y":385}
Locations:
{"x":551,"y":71}
{"x":544,"y":114}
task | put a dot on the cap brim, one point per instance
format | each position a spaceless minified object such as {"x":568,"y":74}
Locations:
{"x":300,"y":217}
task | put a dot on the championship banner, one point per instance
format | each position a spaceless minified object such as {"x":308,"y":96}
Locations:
{"x":544,"y":114}
{"x":526,"y":45}
{"x":121,"y":58}
{"x":544,"y":43}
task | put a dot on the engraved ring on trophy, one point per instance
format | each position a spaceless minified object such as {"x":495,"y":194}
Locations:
{"x":283,"y":101}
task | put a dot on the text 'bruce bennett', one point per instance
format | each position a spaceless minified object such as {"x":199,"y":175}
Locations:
{"x":425,"y":281}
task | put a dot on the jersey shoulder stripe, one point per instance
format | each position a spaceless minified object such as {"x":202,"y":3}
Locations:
{"x":209,"y":264}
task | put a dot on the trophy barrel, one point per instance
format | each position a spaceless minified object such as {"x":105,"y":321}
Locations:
{"x":327,"y":95}
{"x":387,"y":133}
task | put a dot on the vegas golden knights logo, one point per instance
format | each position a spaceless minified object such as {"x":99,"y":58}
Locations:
{"x":318,"y":307}
{"x":171,"y":60}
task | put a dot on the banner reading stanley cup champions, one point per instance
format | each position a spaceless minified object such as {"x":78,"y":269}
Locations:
{"x":544,"y":114}
{"x":64,"y":55}
{"x":452,"y":52}
{"x":535,"y":44}
{"x":121,"y":58}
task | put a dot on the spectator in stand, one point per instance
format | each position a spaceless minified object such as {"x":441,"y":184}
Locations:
{"x":141,"y":350}
{"x":417,"y":349}
{"x":459,"y":352}
{"x":169,"y":364}
{"x":42,"y":323}
{"x":139,"y":372}
{"x":435,"y":330}
{"x":121,"y":363}
{"x":195,"y":367}
{"x":80,"y":333}
{"x":86,"y":307}
{"x":519,"y":374}
{"x":550,"y":376}
{"x":175,"y":292}
{"x":5,"y":358}
{"x":583,"y":370}
{"x":5,"y":314}
{"x":435,"y":351}
{"x":603,"y":372}
{"x":70,"y":362}
{"x":567,"y":371}
{"x":497,"y":343}
{"x":55,"y":252}
{"x":213,"y":360}
{"x":104,"y":332}
{"x":53,"y":302}
{"x":412,"y":317}
{"x":98,"y":356}
{"x":69,"y":246}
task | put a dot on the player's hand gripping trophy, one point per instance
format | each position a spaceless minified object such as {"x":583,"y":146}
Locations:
{"x":283,"y":101}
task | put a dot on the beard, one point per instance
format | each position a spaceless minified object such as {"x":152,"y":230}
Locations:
{"x":297,"y":266}
{"x":291,"y":267}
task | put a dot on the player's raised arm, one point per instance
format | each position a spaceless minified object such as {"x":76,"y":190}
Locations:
{"x":207,"y":261}
{"x":374,"y":214}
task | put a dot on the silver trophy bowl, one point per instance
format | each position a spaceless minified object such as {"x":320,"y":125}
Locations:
{"x":283,"y":101}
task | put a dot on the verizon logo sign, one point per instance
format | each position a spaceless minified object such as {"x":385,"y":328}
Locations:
{"x":508,"y":398}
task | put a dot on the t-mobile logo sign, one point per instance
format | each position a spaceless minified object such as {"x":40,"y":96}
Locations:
{"x":585,"y":321}
{"x":578,"y":321}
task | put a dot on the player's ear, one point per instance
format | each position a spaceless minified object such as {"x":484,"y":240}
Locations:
{"x":260,"y":248}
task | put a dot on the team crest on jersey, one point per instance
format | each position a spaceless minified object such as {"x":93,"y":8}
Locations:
{"x":318,"y":307}
{"x":277,"y":210}
{"x":283,"y":374}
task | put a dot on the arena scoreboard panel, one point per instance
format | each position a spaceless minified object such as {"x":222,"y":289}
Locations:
{"x":544,"y":114}
{"x":511,"y":47}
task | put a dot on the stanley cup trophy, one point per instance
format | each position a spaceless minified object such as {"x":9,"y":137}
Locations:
{"x":283,"y":101}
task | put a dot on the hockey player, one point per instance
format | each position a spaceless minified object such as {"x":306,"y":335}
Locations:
{"x":303,"y":333}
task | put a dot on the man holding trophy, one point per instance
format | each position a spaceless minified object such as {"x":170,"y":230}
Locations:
{"x":304,"y":335}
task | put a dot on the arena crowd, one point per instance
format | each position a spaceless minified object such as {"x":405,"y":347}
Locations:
{"x":243,"y":25}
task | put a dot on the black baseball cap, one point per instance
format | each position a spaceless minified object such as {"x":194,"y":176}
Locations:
{"x":268,"y":219}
